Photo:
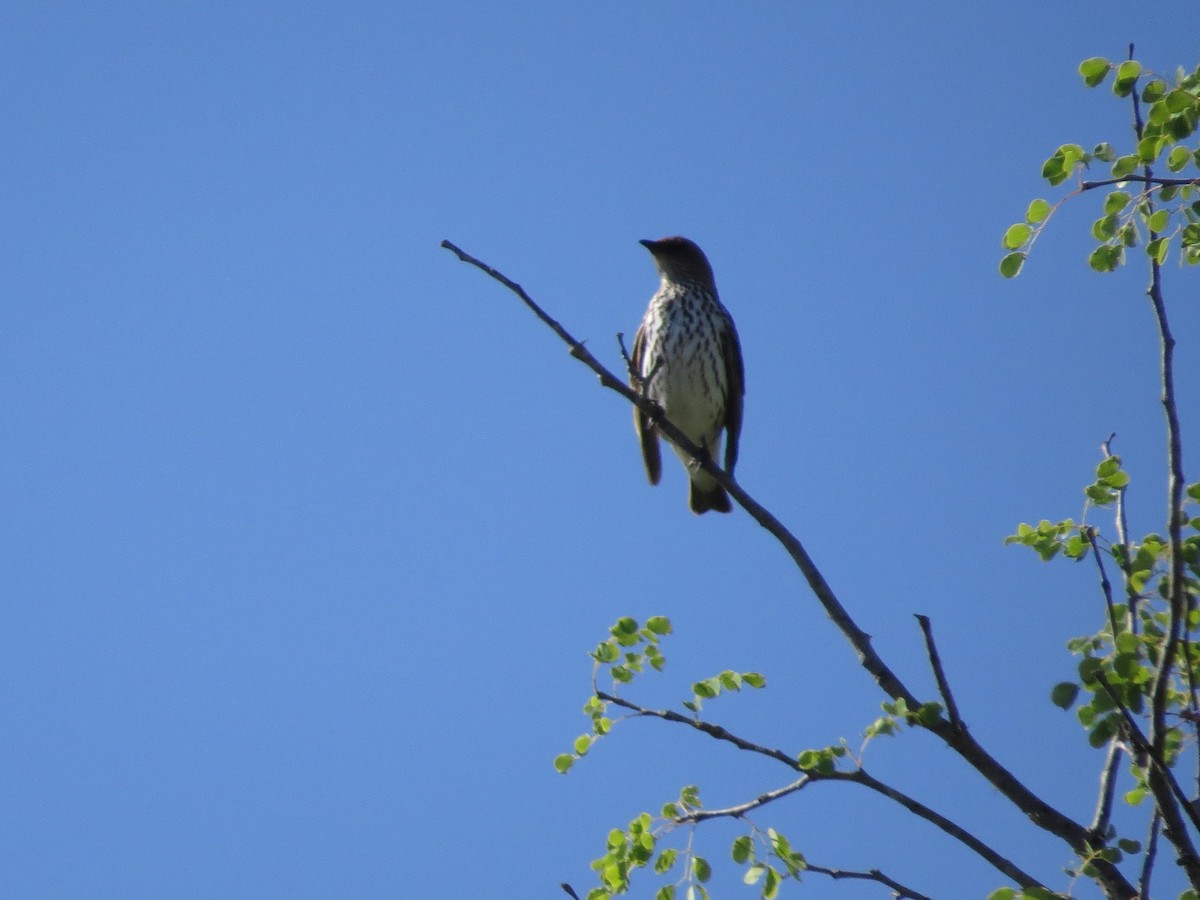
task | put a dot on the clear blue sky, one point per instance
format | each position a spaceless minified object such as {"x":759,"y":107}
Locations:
{"x":307,"y":527}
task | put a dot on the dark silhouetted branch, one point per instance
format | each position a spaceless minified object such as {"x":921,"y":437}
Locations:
{"x":935,"y":662}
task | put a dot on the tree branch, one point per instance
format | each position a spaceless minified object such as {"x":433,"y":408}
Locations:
{"x":1148,"y":858}
{"x":1142,"y":179}
{"x":958,"y":738}
{"x":899,"y":891}
{"x":935,"y":662}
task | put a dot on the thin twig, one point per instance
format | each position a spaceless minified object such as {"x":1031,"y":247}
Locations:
{"x":1148,"y":857}
{"x":935,"y":662}
{"x":1144,"y":179}
{"x":899,"y":891}
{"x":1112,"y":761}
{"x":713,"y":731}
{"x":1108,"y":787}
{"x":741,"y":809}
{"x":570,"y":890}
{"x":959,"y":739}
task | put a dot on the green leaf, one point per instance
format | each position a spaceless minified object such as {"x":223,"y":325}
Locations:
{"x":1179,"y":100}
{"x":1004,"y":893}
{"x":1010,"y":265}
{"x":659,"y":624}
{"x":1154,"y":90}
{"x":625,"y":626}
{"x":1105,"y":227}
{"x":666,"y":892}
{"x":1104,"y":152}
{"x":809,"y":759}
{"x":754,"y":679}
{"x":701,"y":869}
{"x":1037,"y":211}
{"x":1016,"y":236}
{"x":1159,"y":220}
{"x":582,"y":743}
{"x":771,"y":885}
{"x":1054,"y":170}
{"x":1115,"y":202}
{"x":1103,"y":730}
{"x":1117,"y":480}
{"x":1148,"y":148}
{"x":563,"y":763}
{"x":754,"y":874}
{"x":1124,"y":166}
{"x":1127,"y":76}
{"x":743,"y":847}
{"x":606,"y":652}
{"x":1178,"y":158}
{"x":1105,"y":258}
{"x":665,"y":861}
{"x":1064,"y":693}
{"x":1094,"y":70}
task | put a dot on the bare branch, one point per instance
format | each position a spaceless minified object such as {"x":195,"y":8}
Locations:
{"x":898,"y":890}
{"x":1108,"y":787}
{"x":741,"y":809}
{"x":1112,"y":761}
{"x":1025,"y":880}
{"x":713,"y":731}
{"x":1148,"y":858}
{"x":935,"y":662}
{"x":570,"y":890}
{"x":1143,"y":179}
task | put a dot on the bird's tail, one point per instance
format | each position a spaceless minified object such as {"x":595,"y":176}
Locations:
{"x":702,"y":498}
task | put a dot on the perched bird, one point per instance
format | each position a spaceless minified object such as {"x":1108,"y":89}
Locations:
{"x":686,"y":358}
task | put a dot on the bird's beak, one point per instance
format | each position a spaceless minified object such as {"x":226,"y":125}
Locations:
{"x":649,"y":245}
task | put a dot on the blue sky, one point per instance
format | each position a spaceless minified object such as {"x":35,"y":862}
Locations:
{"x":309,"y":527}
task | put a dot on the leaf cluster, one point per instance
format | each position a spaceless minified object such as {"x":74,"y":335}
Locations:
{"x":1161,"y":210}
{"x":777,"y":862}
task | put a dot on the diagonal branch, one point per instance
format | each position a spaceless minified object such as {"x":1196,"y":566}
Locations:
{"x":935,"y":662}
{"x":713,"y":731}
{"x":958,"y":738}
{"x":899,"y":891}
{"x":1143,"y":179}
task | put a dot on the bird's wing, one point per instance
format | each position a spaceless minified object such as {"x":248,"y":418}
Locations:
{"x":647,"y":436}
{"x":731,"y":350}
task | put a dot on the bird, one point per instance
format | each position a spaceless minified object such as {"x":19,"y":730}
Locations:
{"x":687,"y":359}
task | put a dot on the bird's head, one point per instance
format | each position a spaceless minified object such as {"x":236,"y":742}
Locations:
{"x":680,"y":260}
